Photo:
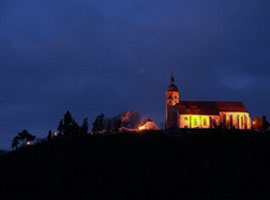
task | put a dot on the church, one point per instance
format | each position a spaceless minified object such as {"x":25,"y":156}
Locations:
{"x":204,"y":114}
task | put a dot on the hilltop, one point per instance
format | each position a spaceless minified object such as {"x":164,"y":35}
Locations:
{"x":146,"y":166}
{"x":2,"y":152}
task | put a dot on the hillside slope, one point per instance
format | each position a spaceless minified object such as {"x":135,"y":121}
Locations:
{"x":2,"y":152}
{"x":140,"y":167}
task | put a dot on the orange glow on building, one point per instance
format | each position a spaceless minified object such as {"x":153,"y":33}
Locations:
{"x":230,"y":120}
{"x":148,"y":125}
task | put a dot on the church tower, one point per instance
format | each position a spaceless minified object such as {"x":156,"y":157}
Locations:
{"x":172,"y":99}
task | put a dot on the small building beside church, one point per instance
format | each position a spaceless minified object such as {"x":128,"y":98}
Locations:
{"x":204,"y":114}
{"x":148,"y":125}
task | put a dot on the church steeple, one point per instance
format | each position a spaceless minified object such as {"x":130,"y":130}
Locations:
{"x":172,"y":100}
{"x":172,"y":79}
{"x":172,"y":93}
{"x":172,"y":87}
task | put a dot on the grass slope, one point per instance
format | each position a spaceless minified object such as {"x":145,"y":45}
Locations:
{"x":195,"y":166}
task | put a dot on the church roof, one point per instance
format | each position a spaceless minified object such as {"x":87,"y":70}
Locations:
{"x":146,"y":121}
{"x":209,"y":107}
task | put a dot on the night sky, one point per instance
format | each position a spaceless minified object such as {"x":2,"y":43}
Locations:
{"x":93,"y":56}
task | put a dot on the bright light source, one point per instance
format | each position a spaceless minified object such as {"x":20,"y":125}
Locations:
{"x":142,"y":128}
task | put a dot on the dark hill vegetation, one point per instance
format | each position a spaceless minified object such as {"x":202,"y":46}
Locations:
{"x":2,"y":152}
{"x":148,"y":166}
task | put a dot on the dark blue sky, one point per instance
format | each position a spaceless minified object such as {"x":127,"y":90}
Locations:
{"x":93,"y":56}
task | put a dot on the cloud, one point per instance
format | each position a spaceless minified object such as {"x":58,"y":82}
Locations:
{"x":231,"y":77}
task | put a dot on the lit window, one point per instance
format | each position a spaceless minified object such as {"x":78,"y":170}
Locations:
{"x":205,"y":122}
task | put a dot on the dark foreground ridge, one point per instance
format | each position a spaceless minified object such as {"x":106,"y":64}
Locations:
{"x":147,"y":166}
{"x":2,"y":152}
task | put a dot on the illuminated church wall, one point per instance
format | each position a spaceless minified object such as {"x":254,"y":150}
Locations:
{"x":226,"y":119}
{"x":198,"y":121}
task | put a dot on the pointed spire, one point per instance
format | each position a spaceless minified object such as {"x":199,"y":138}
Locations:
{"x":172,"y":79}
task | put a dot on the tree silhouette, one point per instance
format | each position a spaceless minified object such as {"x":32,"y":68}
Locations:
{"x":22,"y":139}
{"x":108,"y":123}
{"x":23,"y":136}
{"x":60,"y":128}
{"x":264,"y":123}
{"x":117,"y":125}
{"x":15,"y":142}
{"x":68,"y":127}
{"x":68,"y":124}
{"x":84,"y":127}
{"x":98,"y":124}
{"x":74,"y":129}
{"x":68,"y":118}
{"x":49,"y":137}
{"x":30,"y":138}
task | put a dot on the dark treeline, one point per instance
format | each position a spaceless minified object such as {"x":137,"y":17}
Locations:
{"x":69,"y":128}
